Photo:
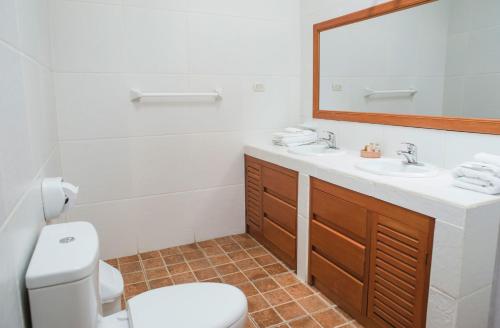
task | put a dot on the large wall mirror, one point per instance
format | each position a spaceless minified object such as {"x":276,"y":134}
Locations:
{"x":420,"y":63}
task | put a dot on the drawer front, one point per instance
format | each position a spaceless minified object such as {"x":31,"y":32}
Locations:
{"x":279,"y":237}
{"x":341,"y":250}
{"x":280,"y":184}
{"x":347,"y":217}
{"x":339,"y":282}
{"x":280,"y":212}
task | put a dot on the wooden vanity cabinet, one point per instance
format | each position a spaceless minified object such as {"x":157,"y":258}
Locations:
{"x":271,"y":207}
{"x":370,"y":257}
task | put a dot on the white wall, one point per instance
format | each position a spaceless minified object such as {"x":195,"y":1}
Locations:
{"x":158,"y":174}
{"x":442,"y":148}
{"x":28,"y":145}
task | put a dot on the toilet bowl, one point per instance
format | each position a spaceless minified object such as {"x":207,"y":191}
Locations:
{"x":63,"y":288}
{"x":110,"y":288}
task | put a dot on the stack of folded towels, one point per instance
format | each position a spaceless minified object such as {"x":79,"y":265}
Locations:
{"x":482,"y":175}
{"x":291,"y":137}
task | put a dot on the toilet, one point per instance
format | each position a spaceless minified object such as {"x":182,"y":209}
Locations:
{"x":64,"y":290}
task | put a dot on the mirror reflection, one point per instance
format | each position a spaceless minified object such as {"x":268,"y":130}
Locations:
{"x":440,"y":59}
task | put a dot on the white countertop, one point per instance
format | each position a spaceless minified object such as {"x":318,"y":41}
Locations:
{"x":435,"y":196}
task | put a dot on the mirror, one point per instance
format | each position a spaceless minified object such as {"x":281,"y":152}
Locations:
{"x":431,"y":64}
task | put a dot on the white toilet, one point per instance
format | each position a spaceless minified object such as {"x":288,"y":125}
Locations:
{"x":63,"y":287}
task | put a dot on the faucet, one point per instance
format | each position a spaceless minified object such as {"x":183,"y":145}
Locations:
{"x":331,"y":141}
{"x":410,"y":154}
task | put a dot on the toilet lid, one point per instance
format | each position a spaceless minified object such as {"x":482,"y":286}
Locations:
{"x":200,"y":305}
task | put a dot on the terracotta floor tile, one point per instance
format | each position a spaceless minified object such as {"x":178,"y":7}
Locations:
{"x":162,"y":282}
{"x":219,"y":259}
{"x":266,"y":318}
{"x":178,"y":268}
{"x":170,"y":251}
{"x":196,"y":255}
{"x":249,"y":323}
{"x":266,"y":260}
{"x":130,"y":267}
{"x":276,"y":297}
{"x":199,"y":264}
{"x":157,"y":273}
{"x":299,"y":291}
{"x":224,"y":240}
{"x":329,"y":318}
{"x":248,"y":243}
{"x":183,"y":278}
{"x":256,"y":274}
{"x":286,"y":279}
{"x":217,"y":280}
{"x":173,"y":259}
{"x":266,"y":285}
{"x":149,"y":255}
{"x":289,"y":311}
{"x":238,"y":255}
{"x":188,"y":248}
{"x":242,"y":237}
{"x":257,"y":303}
{"x":248,"y":288}
{"x":235,"y":278}
{"x":212,"y":251}
{"x":132,"y":278}
{"x":128,"y":259}
{"x":205,"y":274}
{"x":306,"y":322}
{"x":275,"y":269}
{"x":226,"y":269}
{"x":135,"y":289}
{"x":153,"y":263}
{"x":207,"y":243}
{"x":257,"y":251}
{"x":228,"y":248}
{"x":246,"y":264}
{"x":112,"y":262}
{"x":313,"y":303}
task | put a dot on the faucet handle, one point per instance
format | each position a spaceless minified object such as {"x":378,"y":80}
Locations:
{"x":410,"y":146}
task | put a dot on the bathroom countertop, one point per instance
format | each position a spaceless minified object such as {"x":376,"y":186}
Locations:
{"x":434,"y":196}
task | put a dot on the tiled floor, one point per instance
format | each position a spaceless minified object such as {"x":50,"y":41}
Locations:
{"x":275,"y":297}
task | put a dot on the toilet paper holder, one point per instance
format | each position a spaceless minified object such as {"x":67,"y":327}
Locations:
{"x":57,"y":197}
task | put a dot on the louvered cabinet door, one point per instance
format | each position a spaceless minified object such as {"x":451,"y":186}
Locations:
{"x":253,"y":193}
{"x":399,"y":270}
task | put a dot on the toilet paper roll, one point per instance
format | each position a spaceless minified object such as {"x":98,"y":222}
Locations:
{"x":57,"y":196}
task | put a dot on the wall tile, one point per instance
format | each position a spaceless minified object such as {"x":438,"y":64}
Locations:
{"x":34,"y":29}
{"x":8,"y":22}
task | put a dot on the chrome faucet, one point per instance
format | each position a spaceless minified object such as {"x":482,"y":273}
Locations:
{"x":331,"y":141}
{"x":410,"y":154}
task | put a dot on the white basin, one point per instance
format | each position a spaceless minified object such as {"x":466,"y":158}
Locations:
{"x":315,"y":150}
{"x":396,"y":168}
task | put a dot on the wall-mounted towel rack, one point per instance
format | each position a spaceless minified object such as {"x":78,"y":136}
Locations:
{"x":137,"y":95}
{"x":369,"y":92}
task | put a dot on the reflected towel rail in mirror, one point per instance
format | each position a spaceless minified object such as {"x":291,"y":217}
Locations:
{"x":369,"y":92}
{"x":137,"y":95}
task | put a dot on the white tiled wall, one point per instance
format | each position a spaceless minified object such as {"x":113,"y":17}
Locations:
{"x":28,"y":144}
{"x":162,"y":173}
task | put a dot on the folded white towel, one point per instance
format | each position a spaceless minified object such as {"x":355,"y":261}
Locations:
{"x":487,"y":177}
{"x":294,"y":137}
{"x":488,"y":158}
{"x":464,"y":183}
{"x":482,"y":167}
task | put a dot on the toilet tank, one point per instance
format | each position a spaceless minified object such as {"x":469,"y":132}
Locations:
{"x":62,"y":277}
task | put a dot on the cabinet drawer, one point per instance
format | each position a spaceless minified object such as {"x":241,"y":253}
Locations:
{"x":343,"y":251}
{"x":280,"y":184}
{"x":280,"y":212}
{"x":348,"y":217}
{"x":339,"y":282}
{"x":279,"y":237}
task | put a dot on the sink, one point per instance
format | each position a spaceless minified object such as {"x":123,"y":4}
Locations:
{"x":315,"y":150}
{"x":396,"y":168}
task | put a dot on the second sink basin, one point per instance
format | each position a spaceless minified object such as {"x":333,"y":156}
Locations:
{"x":396,"y":168}
{"x":315,"y":150}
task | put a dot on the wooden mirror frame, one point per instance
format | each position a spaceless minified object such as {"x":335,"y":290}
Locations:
{"x":488,"y":126}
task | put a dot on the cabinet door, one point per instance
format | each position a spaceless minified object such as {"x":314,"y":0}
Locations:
{"x":253,"y":193}
{"x":399,"y":270}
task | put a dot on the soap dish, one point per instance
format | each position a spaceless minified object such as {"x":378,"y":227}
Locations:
{"x":370,"y":154}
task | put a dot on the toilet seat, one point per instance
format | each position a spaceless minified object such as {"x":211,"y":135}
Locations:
{"x":201,"y":305}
